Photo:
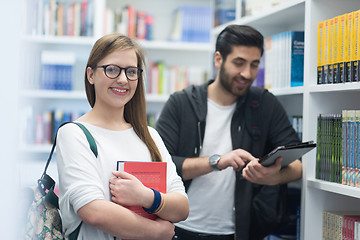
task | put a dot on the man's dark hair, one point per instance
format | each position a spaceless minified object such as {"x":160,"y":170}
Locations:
{"x":238,"y":35}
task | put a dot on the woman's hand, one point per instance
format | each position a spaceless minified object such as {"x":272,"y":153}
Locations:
{"x":127,"y":190}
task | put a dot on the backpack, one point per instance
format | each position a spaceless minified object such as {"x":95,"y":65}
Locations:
{"x":43,"y":217}
{"x":269,"y":205}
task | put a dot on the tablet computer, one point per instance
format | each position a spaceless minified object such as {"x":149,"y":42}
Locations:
{"x":289,"y":153}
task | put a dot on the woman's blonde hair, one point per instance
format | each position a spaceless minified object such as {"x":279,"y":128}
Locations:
{"x":135,"y":109}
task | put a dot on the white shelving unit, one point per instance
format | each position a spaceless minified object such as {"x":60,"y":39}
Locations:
{"x":311,"y":100}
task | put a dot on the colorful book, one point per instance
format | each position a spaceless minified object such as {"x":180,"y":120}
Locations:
{"x":151,"y":174}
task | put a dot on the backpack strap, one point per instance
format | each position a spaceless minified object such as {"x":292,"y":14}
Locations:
{"x":253,"y":117}
{"x":45,"y":178}
{"x":46,"y":184}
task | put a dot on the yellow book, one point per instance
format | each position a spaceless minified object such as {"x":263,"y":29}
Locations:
{"x":331,"y":51}
{"x":355,"y":46}
{"x":342,"y":41}
{"x":326,"y":50}
{"x":348,"y":45}
{"x":358,"y":50}
{"x":336,"y":59}
{"x":320,"y":53}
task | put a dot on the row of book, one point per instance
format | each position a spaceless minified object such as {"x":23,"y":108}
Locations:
{"x":59,"y":18}
{"x":129,"y":21}
{"x":57,"y":70}
{"x":192,"y":24}
{"x":284,"y":60}
{"x":337,"y":53}
{"x":338,"y":147}
{"x":340,"y":225}
{"x":164,"y":79}
{"x":41,"y":127}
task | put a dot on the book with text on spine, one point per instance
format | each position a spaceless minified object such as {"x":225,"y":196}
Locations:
{"x":151,"y":174}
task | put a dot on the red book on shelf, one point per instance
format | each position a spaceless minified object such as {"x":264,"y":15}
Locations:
{"x":151,"y":174}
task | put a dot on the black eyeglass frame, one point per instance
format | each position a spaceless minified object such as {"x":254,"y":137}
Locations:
{"x":139,"y":71}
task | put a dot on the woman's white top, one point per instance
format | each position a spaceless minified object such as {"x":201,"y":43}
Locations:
{"x":84,"y":178}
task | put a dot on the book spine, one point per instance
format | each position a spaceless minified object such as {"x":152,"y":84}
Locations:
{"x":342,"y":48}
{"x":357,"y":148}
{"x":297,"y":59}
{"x":320,"y":52}
{"x":348,"y":46}
{"x":318,"y":148}
{"x":344,"y":147}
{"x":336,"y":58}
{"x":355,"y":46}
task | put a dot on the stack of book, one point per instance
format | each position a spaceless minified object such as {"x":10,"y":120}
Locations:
{"x":338,"y":54}
{"x":284,"y":60}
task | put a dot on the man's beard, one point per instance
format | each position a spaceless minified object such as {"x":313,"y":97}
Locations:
{"x":227,"y":81}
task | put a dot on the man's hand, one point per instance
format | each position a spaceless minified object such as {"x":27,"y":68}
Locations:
{"x":236,"y":159}
{"x":257,"y":173}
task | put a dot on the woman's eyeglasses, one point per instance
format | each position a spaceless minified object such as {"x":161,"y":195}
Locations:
{"x":114,"y":71}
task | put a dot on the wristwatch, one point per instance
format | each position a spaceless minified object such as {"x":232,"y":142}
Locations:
{"x":213,"y":160}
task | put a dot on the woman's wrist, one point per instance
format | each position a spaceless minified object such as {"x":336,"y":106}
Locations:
{"x":155,"y":204}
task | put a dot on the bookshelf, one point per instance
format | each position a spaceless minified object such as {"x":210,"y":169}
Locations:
{"x":311,"y":100}
{"x":172,"y":53}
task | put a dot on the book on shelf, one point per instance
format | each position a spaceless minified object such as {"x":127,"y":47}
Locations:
{"x":349,"y":46}
{"x":320,"y":52}
{"x":336,"y":50}
{"x":151,"y":174}
{"x":284,"y":60}
{"x":355,"y":48}
{"x":342,"y":47}
{"x":340,"y":225}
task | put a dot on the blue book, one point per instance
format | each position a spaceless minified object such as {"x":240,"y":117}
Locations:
{"x":297,"y":59}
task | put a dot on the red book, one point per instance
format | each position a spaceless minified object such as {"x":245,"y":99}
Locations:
{"x":151,"y":174}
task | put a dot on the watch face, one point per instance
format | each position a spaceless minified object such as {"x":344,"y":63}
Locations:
{"x":214,"y":159}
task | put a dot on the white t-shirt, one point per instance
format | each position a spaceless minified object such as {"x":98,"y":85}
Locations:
{"x":84,"y":178}
{"x":211,"y":196}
